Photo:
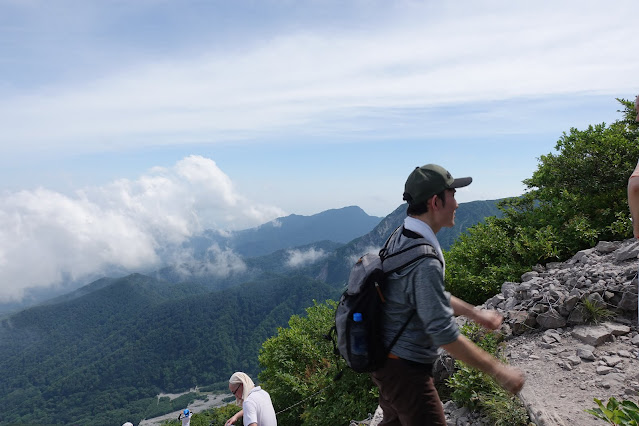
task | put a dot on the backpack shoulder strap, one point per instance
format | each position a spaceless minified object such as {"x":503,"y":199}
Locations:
{"x":419,"y":248}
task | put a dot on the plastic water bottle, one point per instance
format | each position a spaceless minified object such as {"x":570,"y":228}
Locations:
{"x":359,"y":345}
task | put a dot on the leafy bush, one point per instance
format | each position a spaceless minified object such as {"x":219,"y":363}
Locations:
{"x":299,"y":368}
{"x":478,"y":391}
{"x":213,"y":417}
{"x":625,"y":413}
{"x":570,"y":205}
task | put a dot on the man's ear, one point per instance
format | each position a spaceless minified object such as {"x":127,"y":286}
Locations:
{"x":432,"y":203}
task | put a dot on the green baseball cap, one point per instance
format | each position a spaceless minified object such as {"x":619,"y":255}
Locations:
{"x":429,"y":180}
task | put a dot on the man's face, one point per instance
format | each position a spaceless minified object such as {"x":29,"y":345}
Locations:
{"x":448,"y":211}
{"x":637,"y":107}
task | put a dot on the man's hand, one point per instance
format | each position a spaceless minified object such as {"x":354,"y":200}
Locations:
{"x":232,"y":420}
{"x":464,"y":350}
{"x":510,"y":378}
{"x":490,"y":319}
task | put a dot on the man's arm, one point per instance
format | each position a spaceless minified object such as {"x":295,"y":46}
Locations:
{"x":466,"y":351}
{"x":235,"y":417}
{"x":633,"y":203}
{"x":490,"y":319}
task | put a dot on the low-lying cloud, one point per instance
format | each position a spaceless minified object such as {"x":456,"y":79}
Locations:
{"x":48,"y":238}
{"x":218,"y":262}
{"x":300,"y":258}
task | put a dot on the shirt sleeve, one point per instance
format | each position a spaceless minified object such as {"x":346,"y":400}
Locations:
{"x":433,"y":303}
{"x":250,"y":412}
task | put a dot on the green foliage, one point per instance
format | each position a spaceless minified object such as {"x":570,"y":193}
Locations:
{"x":478,"y":391}
{"x":625,"y":413}
{"x":597,"y":313}
{"x":299,"y":367}
{"x":502,"y":409}
{"x":575,"y":198}
{"x":489,"y":254}
{"x":106,"y":354}
{"x":213,"y":417}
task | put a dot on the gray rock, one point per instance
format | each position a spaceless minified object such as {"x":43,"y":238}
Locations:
{"x":586,"y":354}
{"x":553,"y":334}
{"x":596,"y":300}
{"x":593,"y":336}
{"x":570,"y":303}
{"x":551,"y":319}
{"x":603,"y":370}
{"x":611,"y":361}
{"x":627,"y":252}
{"x":508,"y":289}
{"x":573,"y":359}
{"x":582,"y":256}
{"x":521,"y":321}
{"x":628,"y":301}
{"x":606,"y":247}
{"x":579,"y":315}
{"x":617,"y":329}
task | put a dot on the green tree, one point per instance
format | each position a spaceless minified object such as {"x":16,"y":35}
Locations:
{"x":575,"y":198}
{"x":299,"y":368}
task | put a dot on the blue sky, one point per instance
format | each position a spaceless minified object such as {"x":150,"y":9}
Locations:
{"x":129,"y":125}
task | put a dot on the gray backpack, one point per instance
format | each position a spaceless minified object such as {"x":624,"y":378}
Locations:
{"x":358,"y":325}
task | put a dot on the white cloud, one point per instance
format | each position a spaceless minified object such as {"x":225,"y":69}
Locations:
{"x":219,"y":263}
{"x":299,"y":258}
{"x":300,"y":81}
{"x":47,"y":237}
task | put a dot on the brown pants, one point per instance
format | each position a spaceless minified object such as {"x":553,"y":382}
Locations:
{"x":407,"y":394}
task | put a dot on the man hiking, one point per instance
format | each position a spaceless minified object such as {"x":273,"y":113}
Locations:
{"x":406,"y":390}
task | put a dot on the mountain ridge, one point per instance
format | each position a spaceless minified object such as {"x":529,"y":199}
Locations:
{"x":338,"y":225}
{"x":126,"y":339}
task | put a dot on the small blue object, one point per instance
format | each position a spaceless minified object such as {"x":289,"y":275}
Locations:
{"x":186,"y":412}
{"x":357,"y":317}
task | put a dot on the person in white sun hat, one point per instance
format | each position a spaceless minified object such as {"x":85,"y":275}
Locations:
{"x":257,"y":408}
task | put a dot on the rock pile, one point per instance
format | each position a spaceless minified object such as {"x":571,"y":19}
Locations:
{"x":572,"y":327}
{"x":568,"y":293}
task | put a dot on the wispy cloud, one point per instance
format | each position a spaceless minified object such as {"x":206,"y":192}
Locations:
{"x":299,"y":80}
{"x":119,"y":76}
{"x":217,"y":262}
{"x":47,"y":238}
{"x":300,"y":258}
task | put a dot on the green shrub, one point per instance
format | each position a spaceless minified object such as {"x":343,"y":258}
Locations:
{"x":625,"y":413}
{"x":215,"y":417}
{"x":299,"y":367}
{"x":569,"y":206}
{"x":478,"y":391}
{"x":595,"y":312}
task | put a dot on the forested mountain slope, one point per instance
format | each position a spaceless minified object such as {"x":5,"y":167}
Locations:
{"x":104,"y":356}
